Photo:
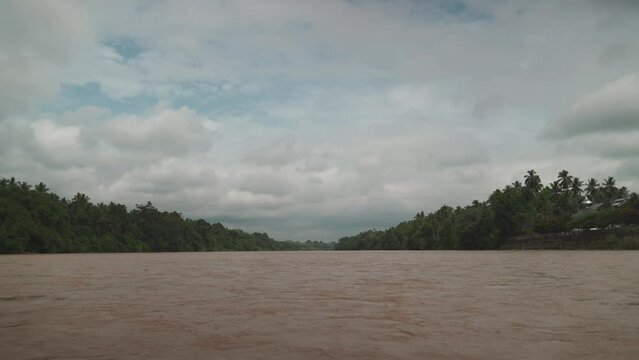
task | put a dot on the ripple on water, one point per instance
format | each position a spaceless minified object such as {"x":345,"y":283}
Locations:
{"x":367,"y":305}
{"x":22,"y":297}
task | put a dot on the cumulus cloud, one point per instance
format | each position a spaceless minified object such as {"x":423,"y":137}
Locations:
{"x":160,"y":151}
{"x":314,"y":120}
{"x":166,"y":130}
{"x":56,"y":142}
{"x":52,"y":138}
{"x":166,"y":176}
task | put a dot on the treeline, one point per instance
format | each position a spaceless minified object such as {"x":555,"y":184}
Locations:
{"x":517,"y":209}
{"x":34,"y":220}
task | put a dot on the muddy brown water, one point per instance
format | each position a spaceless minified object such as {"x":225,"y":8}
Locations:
{"x":321,"y":305}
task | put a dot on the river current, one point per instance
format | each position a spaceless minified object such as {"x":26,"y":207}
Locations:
{"x":321,"y":305}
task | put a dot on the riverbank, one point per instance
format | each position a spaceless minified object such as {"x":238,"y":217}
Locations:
{"x":610,"y":239}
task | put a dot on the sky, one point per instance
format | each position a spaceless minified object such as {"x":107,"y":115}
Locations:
{"x":315,"y":119}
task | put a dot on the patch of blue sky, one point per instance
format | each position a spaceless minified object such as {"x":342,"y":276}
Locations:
{"x":431,"y":10}
{"x":216,"y":101}
{"x":125,"y":46}
{"x":237,"y":100}
{"x":446,"y":10}
{"x":227,"y":99}
{"x":221,"y":98}
{"x":75,"y":96}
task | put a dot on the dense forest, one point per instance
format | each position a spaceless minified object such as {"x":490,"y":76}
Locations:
{"x":566,"y":204}
{"x":34,"y":220}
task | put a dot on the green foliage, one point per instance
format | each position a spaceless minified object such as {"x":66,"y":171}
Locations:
{"x":606,"y":218}
{"x":514,"y":210}
{"x":36,"y":221}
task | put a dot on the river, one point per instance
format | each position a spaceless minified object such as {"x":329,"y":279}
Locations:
{"x":321,"y":305}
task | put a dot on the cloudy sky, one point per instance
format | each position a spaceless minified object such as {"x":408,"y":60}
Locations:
{"x":315,"y":119}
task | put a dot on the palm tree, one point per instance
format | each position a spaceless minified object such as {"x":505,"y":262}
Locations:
{"x":555,"y":188}
{"x":610,"y":190}
{"x":532,"y":181}
{"x":623,"y":192}
{"x":592,"y":189}
{"x":565,"y":180}
{"x":576,"y":186}
{"x":609,"y":183}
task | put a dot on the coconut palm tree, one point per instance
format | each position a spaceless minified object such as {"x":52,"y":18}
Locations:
{"x":565,"y":180}
{"x":609,"y":189}
{"x":623,"y":192}
{"x":609,"y":183}
{"x":576,"y":186}
{"x":532,"y":181}
{"x":592,"y":189}
{"x":555,"y":187}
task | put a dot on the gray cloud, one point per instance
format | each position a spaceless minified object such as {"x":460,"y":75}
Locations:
{"x":268,"y":184}
{"x":628,"y":172}
{"x":36,"y":39}
{"x":614,"y":108}
{"x":613,"y":53}
{"x":276,"y":153}
{"x":315,"y":121}
{"x":623,"y":5}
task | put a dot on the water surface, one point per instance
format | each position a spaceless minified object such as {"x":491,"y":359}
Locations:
{"x":321,"y":305}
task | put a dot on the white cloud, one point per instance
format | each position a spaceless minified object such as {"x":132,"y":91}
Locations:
{"x":51,"y":138}
{"x":289,"y":117}
{"x":169,"y":131}
{"x":37,"y":39}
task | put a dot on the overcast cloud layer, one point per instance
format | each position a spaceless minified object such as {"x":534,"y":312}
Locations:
{"x":315,"y":119}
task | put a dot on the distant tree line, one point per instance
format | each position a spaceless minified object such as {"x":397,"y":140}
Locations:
{"x":517,"y":209}
{"x":35,"y":220}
